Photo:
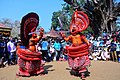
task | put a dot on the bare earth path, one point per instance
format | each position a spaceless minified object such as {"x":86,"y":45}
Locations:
{"x":99,"y":70}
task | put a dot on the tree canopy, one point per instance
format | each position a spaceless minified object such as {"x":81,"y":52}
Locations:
{"x":102,"y":14}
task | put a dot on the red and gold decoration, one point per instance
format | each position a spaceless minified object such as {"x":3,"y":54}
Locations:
{"x":29,"y":60}
{"x":79,"y":20}
{"x":78,"y":50}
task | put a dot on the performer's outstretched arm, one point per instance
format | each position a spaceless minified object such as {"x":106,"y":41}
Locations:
{"x":41,"y":35}
{"x":67,"y":38}
{"x":64,"y":37}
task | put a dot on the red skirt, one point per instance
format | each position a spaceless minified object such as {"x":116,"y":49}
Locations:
{"x":79,"y":63}
{"x":27,"y":66}
{"x":78,"y":51}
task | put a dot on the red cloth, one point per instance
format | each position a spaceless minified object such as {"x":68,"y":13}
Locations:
{"x":79,"y":63}
{"x":28,"y":55}
{"x":27,"y":68}
{"x":78,"y":51}
{"x":30,"y":63}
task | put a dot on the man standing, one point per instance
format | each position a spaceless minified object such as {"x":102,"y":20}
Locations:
{"x":44,"y":50}
{"x":12,"y":51}
{"x":57,"y":47}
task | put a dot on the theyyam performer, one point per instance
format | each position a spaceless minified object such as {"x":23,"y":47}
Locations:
{"x":77,"y":52}
{"x":29,"y":60}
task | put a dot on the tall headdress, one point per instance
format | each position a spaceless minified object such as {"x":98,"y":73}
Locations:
{"x":29,"y":24}
{"x":79,"y":20}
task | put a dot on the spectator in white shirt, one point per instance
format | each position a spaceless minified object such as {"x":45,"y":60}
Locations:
{"x":12,"y":51}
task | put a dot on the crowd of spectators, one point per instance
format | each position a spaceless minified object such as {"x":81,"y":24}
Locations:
{"x":105,"y":48}
{"x":8,"y":51}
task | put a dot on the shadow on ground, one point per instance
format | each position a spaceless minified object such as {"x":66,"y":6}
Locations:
{"x":46,"y":68}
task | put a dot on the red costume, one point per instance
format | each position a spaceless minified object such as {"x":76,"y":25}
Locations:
{"x":29,"y":60}
{"x":78,"y":52}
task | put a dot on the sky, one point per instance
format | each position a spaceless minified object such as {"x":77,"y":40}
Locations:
{"x":16,"y":9}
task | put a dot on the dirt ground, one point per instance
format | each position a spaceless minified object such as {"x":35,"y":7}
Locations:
{"x":99,"y":70}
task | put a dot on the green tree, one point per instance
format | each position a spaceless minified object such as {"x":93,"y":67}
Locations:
{"x":60,"y":20}
{"x":102,"y":13}
{"x":55,"y":21}
{"x":65,"y":15}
